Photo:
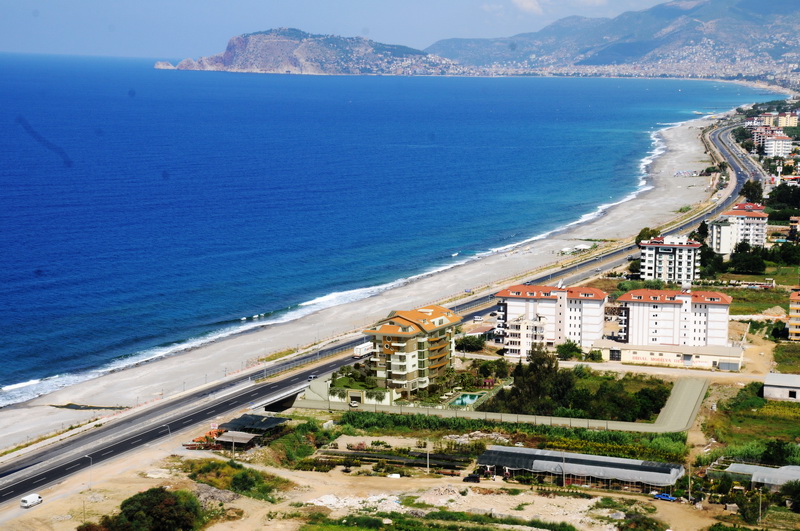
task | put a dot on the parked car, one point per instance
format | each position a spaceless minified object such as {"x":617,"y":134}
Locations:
{"x":353,"y":403}
{"x":477,"y":319}
{"x":664,"y":496}
{"x":472,"y":478}
{"x":30,"y":500}
{"x":493,"y":314}
{"x":312,"y":377}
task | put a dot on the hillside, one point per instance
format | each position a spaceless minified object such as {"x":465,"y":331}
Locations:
{"x":291,"y":51}
{"x":699,"y":35}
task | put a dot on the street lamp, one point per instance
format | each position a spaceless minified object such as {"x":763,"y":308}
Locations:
{"x":90,"y":470}
{"x":169,"y":432}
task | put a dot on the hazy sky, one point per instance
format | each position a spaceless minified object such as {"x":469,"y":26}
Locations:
{"x":174,"y":29}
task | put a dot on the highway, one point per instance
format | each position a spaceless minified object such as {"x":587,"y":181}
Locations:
{"x":38,"y":469}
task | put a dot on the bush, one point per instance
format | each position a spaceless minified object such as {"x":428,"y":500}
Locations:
{"x":155,"y":509}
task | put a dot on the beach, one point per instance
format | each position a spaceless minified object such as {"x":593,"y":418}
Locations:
{"x":671,"y":188}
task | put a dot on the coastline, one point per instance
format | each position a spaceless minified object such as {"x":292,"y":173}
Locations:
{"x":653,"y":204}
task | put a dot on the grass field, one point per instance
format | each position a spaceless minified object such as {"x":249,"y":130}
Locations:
{"x":787,"y":357}
{"x":783,"y":276}
{"x":754,"y":301}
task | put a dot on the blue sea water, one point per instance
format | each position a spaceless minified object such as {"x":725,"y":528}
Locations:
{"x":143,"y":210}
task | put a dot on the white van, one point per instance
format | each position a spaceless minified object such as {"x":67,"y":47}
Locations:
{"x":477,"y":319}
{"x":30,"y":500}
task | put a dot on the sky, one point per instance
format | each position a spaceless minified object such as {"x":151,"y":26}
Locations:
{"x":176,"y":29}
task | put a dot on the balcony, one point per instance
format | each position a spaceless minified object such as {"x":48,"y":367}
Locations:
{"x":400,"y":369}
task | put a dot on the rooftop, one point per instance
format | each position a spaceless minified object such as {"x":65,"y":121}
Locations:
{"x":556,"y":462}
{"x":664,"y":296}
{"x":524,"y":291}
{"x":413,"y":322}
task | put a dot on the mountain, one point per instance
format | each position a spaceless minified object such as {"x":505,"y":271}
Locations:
{"x":743,"y":35}
{"x":291,"y":51}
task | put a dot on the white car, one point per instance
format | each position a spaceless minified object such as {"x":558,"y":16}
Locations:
{"x":30,"y":500}
{"x":353,"y":403}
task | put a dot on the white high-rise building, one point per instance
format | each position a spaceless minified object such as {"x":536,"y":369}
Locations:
{"x":670,"y":258}
{"x":528,"y":315}
{"x":746,"y":222}
{"x":681,"y":318}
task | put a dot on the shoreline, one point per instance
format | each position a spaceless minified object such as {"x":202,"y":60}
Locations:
{"x":258,"y":322}
{"x":655,"y":202}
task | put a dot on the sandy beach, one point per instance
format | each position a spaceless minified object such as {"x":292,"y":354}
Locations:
{"x":169,"y":376}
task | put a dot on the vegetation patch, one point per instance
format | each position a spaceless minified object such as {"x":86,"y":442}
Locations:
{"x":755,"y":429}
{"x":233,"y":476}
{"x":155,"y":509}
{"x":755,"y":301}
{"x":669,"y":447}
{"x":540,"y":388}
{"x":787,"y":358}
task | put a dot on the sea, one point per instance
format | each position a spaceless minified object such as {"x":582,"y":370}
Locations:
{"x":143,"y":211}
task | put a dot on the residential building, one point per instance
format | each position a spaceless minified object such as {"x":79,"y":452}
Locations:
{"x":669,"y":317}
{"x":794,"y":316}
{"x":670,"y":258}
{"x":777,"y":146}
{"x":411,"y":349}
{"x":746,"y":222}
{"x":787,"y":119}
{"x":784,"y":387}
{"x":529,"y":315}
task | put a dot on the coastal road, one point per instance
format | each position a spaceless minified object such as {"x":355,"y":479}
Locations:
{"x":37,"y":470}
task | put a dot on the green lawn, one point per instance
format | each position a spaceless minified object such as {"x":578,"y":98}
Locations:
{"x":349,"y":383}
{"x":787,"y":357}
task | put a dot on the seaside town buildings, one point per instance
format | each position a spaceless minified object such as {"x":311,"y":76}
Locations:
{"x":670,"y":258}
{"x":667,"y":317}
{"x":411,"y":349}
{"x":529,"y":315}
{"x":746,"y":222}
{"x":794,"y":316}
{"x":673,"y":328}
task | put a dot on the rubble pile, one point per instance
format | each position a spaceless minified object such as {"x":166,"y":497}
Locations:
{"x":381,"y":502}
{"x":440,"y":496}
{"x":476,"y":436}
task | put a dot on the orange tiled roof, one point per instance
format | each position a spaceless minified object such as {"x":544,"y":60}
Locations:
{"x":664,"y":296}
{"x":413,"y":322}
{"x":524,"y":291}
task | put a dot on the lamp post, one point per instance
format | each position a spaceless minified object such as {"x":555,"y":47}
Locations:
{"x":169,"y":431}
{"x":91,"y":462}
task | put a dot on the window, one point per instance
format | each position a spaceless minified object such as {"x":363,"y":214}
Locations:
{"x":792,"y":394}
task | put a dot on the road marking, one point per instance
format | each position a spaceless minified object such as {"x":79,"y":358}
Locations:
{"x":187,"y":421}
{"x":38,"y":480}
{"x":137,"y":440}
{"x":295,"y":378}
{"x":73,"y":466}
{"x":232,"y":402}
{"x":254,"y":394}
{"x":108,"y":452}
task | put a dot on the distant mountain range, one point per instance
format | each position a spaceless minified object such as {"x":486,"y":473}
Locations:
{"x":699,"y":32}
{"x":753,"y":39}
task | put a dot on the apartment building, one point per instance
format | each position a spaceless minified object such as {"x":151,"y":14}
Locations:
{"x":670,"y":258}
{"x":777,"y":146}
{"x":529,"y":315}
{"x":411,"y":349}
{"x":746,"y":222}
{"x":794,"y":316}
{"x":668,"y":317}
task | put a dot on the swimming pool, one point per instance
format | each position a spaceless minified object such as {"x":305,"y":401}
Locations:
{"x":465,"y":399}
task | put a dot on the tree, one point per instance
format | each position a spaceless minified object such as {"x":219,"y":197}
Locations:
{"x":568,"y":350}
{"x":501,"y":368}
{"x":635,"y":266}
{"x":646,"y":234}
{"x":791,"y":490}
{"x":753,"y":191}
{"x":156,"y":509}
{"x":777,"y":452}
{"x":470,"y":343}
{"x":702,"y":231}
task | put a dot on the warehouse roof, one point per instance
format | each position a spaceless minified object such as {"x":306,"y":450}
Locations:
{"x":553,"y":462}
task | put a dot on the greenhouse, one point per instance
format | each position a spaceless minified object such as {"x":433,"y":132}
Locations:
{"x":567,"y":468}
{"x":770,"y":477}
